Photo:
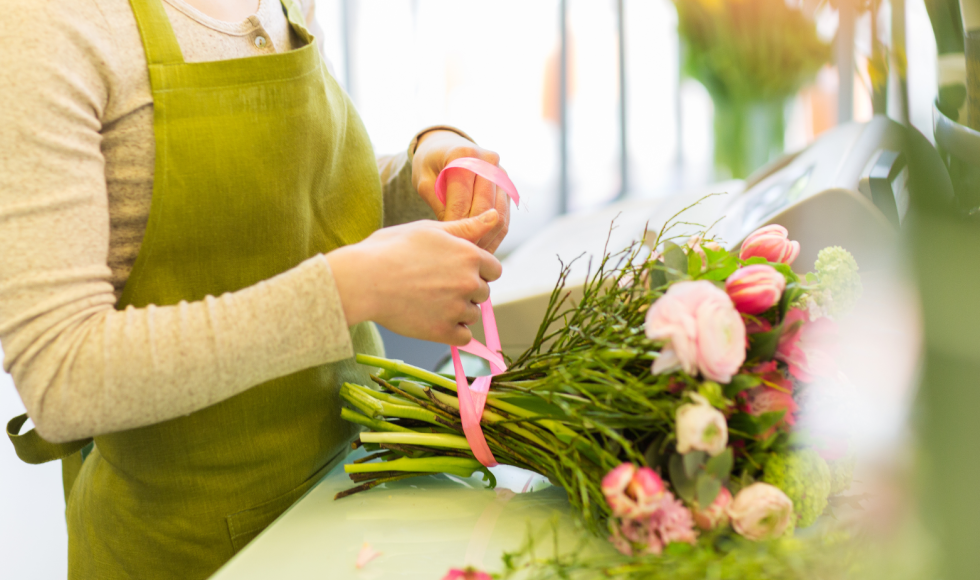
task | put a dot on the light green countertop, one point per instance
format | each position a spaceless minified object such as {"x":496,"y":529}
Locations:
{"x":422,"y":526}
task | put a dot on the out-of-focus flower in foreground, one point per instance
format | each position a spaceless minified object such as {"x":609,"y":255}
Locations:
{"x":703,"y":331}
{"x":468,"y":573}
{"x":808,"y":346}
{"x":755,"y":289}
{"x":760,"y":512}
{"x":772,"y":243}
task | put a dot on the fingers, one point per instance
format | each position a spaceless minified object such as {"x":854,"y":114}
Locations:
{"x":472,"y":229}
{"x":490,"y":268}
{"x":459,"y":336}
{"x":459,"y":194}
{"x":492,"y":240}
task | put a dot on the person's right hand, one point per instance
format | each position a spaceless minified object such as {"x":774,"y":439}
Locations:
{"x":421,"y":280}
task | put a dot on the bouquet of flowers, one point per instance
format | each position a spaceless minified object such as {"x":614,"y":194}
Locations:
{"x":664,"y":402}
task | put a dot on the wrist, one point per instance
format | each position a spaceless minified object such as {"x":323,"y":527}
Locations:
{"x":356,"y":298}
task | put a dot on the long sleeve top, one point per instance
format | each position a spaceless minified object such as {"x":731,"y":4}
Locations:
{"x":76,"y":181}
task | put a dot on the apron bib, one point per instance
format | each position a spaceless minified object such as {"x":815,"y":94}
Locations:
{"x":261,"y":163}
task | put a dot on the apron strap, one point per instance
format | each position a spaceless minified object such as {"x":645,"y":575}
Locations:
{"x":34,"y":450}
{"x":158,"y":37}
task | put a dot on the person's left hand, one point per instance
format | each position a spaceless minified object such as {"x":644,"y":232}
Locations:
{"x":467,"y":194}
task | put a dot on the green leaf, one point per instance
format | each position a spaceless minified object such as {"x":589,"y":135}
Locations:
{"x":489,"y":478}
{"x":811,"y":278}
{"x":722,"y":270}
{"x":745,"y":423}
{"x":657,"y":276}
{"x":763,"y":345}
{"x":715,"y":256}
{"x":693,"y":264}
{"x":765,"y":421}
{"x":675,"y":260}
{"x":790,"y":295}
{"x":683,"y":485}
{"x":741,"y":383}
{"x":786,"y":271}
{"x":756,"y":260}
{"x":708,"y":487}
{"x":712,"y":391}
{"x":652,"y":454}
{"x":692,"y":462}
{"x":720,"y":466}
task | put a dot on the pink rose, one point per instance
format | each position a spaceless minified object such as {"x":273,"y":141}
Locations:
{"x":808,"y":347}
{"x":772,"y":243}
{"x":632,"y":492}
{"x":703,"y":331}
{"x":468,"y":573}
{"x":760,"y":512}
{"x":716,"y":514}
{"x":755,"y":289}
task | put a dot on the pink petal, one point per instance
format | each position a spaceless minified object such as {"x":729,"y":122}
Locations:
{"x":366,"y":554}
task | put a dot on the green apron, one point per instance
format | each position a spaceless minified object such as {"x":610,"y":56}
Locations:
{"x":261,"y":163}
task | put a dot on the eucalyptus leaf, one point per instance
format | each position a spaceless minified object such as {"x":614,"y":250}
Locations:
{"x":693,"y":264}
{"x":676,"y":261}
{"x":708,"y":487}
{"x":683,"y":485}
{"x":693,"y":462}
{"x":657,"y":275}
{"x":720,"y":466}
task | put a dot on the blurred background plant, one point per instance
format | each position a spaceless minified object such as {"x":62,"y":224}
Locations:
{"x":751,"y":56}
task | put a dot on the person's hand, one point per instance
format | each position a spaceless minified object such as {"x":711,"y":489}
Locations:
{"x":421,"y":280}
{"x":467,"y":194}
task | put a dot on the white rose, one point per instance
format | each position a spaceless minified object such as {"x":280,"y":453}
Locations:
{"x":701,"y":427}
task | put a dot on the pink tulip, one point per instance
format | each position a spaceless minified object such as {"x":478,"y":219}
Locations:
{"x":468,"y":573}
{"x":755,"y":289}
{"x":632,"y":492}
{"x":703,"y":331}
{"x":715,"y":515}
{"x":772,"y":243}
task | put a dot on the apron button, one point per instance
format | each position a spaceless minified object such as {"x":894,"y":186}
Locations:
{"x":260,"y":41}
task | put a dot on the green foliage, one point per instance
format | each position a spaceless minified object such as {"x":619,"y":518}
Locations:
{"x":834,"y":555}
{"x":803,"y":476}
{"x":749,"y":51}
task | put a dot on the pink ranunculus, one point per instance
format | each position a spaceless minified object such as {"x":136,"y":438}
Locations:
{"x":755,"y":289}
{"x":772,"y":243}
{"x":808,"y":346}
{"x":673,"y":522}
{"x":760,"y":512}
{"x":703,"y":331}
{"x":715,"y":515}
{"x":632,"y":492}
{"x":701,"y":427}
{"x":468,"y":573}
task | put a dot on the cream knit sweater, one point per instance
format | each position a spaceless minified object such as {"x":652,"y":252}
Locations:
{"x":76,"y":179}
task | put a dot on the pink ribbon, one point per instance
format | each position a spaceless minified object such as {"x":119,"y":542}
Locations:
{"x":473,"y":398}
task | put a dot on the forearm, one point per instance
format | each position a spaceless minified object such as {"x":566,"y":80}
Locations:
{"x":85,"y":369}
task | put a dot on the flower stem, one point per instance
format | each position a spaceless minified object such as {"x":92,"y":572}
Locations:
{"x":412,"y":438}
{"x":460,"y":466}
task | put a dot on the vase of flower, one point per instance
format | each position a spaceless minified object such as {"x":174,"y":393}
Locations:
{"x":748,"y":134}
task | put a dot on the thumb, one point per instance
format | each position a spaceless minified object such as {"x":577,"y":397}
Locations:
{"x":472,"y":228}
